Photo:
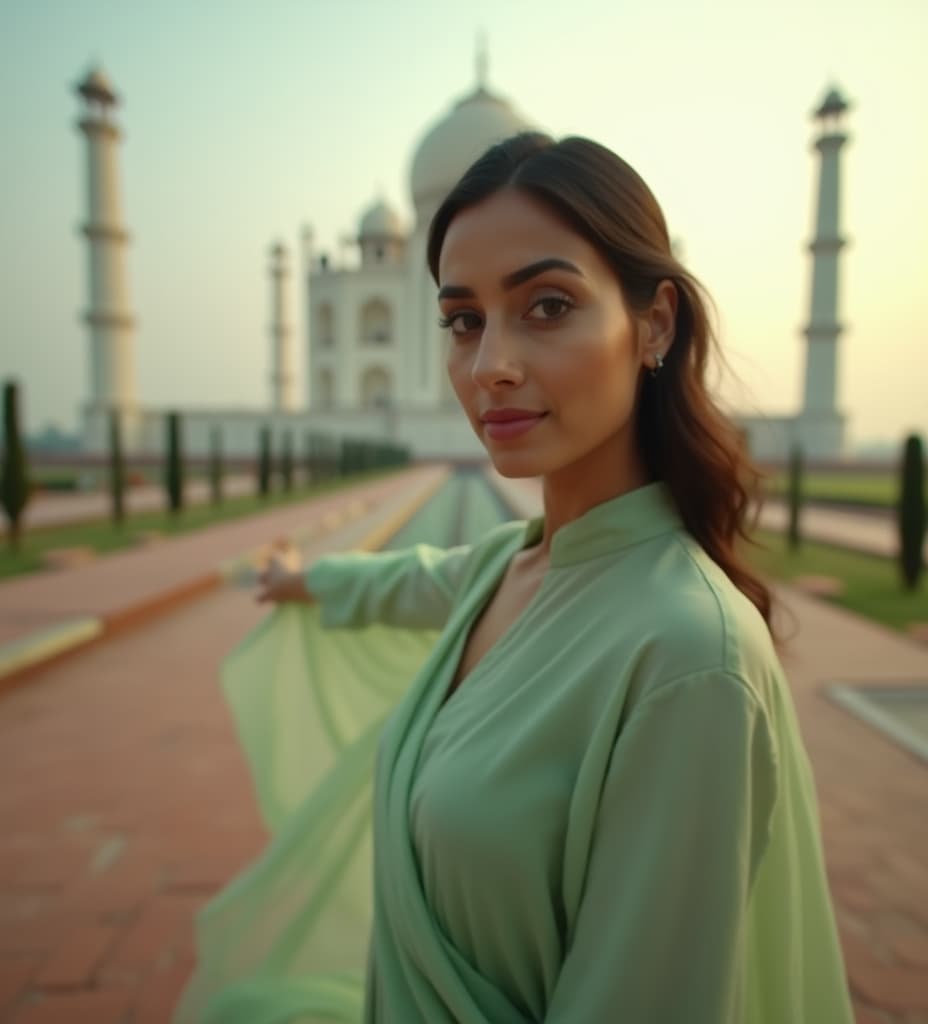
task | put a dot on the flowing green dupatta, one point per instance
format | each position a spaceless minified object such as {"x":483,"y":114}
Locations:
{"x":287,"y":939}
{"x":317,"y":708}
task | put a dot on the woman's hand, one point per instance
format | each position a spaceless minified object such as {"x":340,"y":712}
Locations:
{"x":281,"y":578}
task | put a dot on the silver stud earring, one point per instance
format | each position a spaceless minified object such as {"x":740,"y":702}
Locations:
{"x":660,"y":364}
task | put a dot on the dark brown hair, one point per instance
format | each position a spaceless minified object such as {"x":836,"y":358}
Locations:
{"x":684,"y":438}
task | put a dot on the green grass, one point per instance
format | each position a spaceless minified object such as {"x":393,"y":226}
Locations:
{"x":873,"y":584}
{"x":103,"y":536}
{"x":67,"y":478}
{"x":865,"y":489}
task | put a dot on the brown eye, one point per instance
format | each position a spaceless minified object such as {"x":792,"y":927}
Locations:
{"x":553,"y":307}
{"x":460,"y":323}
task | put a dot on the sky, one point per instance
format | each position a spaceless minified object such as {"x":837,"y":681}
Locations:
{"x":243,"y":121}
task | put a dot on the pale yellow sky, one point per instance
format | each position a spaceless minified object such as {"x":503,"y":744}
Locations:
{"x":243,"y":121}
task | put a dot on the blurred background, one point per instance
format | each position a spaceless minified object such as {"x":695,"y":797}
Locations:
{"x":241,"y":125}
{"x":217,"y":331}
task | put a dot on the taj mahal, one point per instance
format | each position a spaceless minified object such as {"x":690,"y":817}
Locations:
{"x":374,"y":354}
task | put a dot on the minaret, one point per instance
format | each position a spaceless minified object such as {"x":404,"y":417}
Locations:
{"x":283,"y":392}
{"x":109,"y":318}
{"x":307,"y":252}
{"x":821,"y":425}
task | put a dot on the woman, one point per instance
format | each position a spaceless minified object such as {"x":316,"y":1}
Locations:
{"x":592,"y":803}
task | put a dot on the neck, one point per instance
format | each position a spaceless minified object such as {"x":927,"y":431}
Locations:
{"x":603,"y":474}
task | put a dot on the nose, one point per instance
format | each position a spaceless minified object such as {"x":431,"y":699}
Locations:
{"x":498,"y":362}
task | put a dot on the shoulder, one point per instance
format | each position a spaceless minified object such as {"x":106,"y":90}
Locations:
{"x":465,"y":561}
{"x":504,"y":538}
{"x":691,"y":619}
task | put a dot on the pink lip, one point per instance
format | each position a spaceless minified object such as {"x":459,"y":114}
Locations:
{"x":511,"y":428}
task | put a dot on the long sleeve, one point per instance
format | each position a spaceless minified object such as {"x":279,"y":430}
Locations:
{"x":413,"y":588}
{"x":682,"y":823}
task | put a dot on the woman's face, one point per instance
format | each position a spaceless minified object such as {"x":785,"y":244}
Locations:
{"x":538,"y":323}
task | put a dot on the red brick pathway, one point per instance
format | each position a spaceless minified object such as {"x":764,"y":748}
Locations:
{"x":858,"y":531}
{"x":51,"y":508}
{"x":130,"y":579}
{"x":126,"y":803}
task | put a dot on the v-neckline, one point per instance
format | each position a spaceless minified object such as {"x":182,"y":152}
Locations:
{"x":503,"y":639}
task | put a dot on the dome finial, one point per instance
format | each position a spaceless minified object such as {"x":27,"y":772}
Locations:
{"x":832,"y":106}
{"x":482,"y":59}
{"x":97,"y":88}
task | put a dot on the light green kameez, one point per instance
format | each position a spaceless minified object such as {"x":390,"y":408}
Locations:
{"x":612,"y":819}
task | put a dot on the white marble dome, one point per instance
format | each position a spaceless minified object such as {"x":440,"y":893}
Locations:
{"x":455,"y":142}
{"x":380,"y":221}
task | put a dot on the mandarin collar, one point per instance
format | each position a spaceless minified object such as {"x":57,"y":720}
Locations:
{"x":610,"y":526}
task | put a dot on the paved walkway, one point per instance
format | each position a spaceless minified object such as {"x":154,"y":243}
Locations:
{"x":859,"y":531}
{"x":53,"y":508}
{"x":873,"y":795}
{"x":126,"y":801}
{"x":57,"y":609}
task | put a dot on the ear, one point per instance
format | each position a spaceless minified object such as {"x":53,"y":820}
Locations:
{"x":658,"y":323}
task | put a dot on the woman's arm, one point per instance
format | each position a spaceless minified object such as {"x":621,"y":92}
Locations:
{"x":413,"y":588}
{"x":682,"y":823}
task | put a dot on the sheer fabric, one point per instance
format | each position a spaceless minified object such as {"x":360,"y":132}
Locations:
{"x":613,"y":818}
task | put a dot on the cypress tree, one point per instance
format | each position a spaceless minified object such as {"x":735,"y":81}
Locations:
{"x":174,"y":469}
{"x":911,"y":512}
{"x":331,"y":456}
{"x":264,"y":462}
{"x":286,"y":460}
{"x":215,"y":463}
{"x":308,"y":475}
{"x":14,"y":486}
{"x":347,"y":457}
{"x":117,"y":470}
{"x":795,"y":497}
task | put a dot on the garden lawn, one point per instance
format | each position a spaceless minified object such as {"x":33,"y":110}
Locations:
{"x":873,"y":584}
{"x":880,"y":489}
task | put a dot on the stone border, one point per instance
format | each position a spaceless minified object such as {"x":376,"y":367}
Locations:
{"x":855,"y":699}
{"x":46,"y":644}
{"x":23,"y":658}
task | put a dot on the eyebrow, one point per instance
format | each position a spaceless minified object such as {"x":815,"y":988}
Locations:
{"x":513,"y":280}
